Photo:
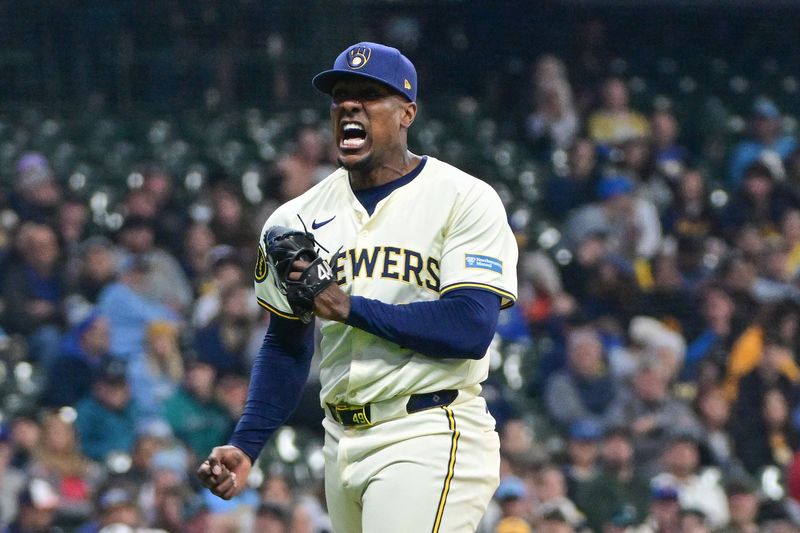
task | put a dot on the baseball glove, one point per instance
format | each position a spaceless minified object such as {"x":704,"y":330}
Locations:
{"x":283,"y":247}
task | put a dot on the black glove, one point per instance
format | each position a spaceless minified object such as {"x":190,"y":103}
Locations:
{"x":284,"y":246}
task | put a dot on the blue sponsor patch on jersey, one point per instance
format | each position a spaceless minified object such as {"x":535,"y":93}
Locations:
{"x":483,"y":261}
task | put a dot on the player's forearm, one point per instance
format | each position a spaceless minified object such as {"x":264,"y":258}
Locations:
{"x":460,"y":325}
{"x":276,"y":383}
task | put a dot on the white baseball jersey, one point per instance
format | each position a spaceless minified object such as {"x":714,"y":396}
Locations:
{"x":444,"y":230}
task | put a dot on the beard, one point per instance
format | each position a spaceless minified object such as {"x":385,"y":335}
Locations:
{"x":363,"y":164}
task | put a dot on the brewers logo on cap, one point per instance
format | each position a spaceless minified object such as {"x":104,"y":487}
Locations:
{"x":358,"y":57}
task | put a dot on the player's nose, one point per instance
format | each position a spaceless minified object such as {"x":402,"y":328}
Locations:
{"x":349,"y":104}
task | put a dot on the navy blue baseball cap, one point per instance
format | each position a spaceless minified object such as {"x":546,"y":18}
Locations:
{"x":373,"y":61}
{"x":585,"y":430}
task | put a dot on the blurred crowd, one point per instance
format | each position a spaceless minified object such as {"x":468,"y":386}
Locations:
{"x":646,"y":380}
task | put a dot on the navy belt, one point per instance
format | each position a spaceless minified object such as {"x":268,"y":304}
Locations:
{"x":350,"y":415}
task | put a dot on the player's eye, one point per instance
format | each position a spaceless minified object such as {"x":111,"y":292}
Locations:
{"x":362,"y":95}
{"x":340,"y":96}
{"x":372,"y":94}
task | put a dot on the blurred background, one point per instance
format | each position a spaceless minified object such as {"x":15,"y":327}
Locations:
{"x":646,"y":152}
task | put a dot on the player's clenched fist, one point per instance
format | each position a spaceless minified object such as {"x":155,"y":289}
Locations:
{"x":225,"y":471}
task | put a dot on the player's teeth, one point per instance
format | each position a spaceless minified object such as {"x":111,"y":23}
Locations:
{"x":354,"y":142}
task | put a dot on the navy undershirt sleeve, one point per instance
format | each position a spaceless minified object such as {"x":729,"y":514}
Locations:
{"x":279,"y":374}
{"x":459,"y":325}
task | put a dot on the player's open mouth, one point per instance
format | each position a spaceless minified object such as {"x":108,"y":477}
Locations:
{"x":353,"y":136}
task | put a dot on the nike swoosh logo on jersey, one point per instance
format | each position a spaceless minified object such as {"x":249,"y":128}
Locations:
{"x":317,"y":225}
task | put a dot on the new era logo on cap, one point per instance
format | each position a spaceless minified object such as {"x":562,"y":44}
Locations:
{"x":373,"y":61}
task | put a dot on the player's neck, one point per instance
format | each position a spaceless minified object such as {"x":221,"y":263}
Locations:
{"x":382,"y":174}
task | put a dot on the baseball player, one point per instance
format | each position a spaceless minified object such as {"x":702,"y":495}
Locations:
{"x":406,"y":261}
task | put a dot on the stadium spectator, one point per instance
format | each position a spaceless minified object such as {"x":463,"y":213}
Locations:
{"x":152,"y":435}
{"x":547,"y":69}
{"x":631,"y":223}
{"x":584,"y":389}
{"x":760,"y":201}
{"x":117,"y":507}
{"x":707,"y":351}
{"x":195,"y":417}
{"x":276,"y":489}
{"x":197,"y":255}
{"x":651,"y":411}
{"x":770,"y":438}
{"x":511,"y":497}
{"x":12,"y":480}
{"x":304,"y":165}
{"x":582,"y":466}
{"x":162,"y":497}
{"x":24,"y":438}
{"x":736,"y":274}
{"x":579,"y":185}
{"x":697,"y":488}
{"x":231,"y":393}
{"x":155,"y":374}
{"x":615,"y":122}
{"x":36,"y":195}
{"x":159,"y":186}
{"x":751,"y":407}
{"x":59,"y":461}
{"x":554,"y":123}
{"x":669,"y":157}
{"x":547,"y":305}
{"x":580,"y":274}
{"x":272,"y":518}
{"x":222,"y":343}
{"x":664,"y":514}
{"x":37,"y":504}
{"x":553,"y":520}
{"x":166,"y":282}
{"x":551,"y":496}
{"x":743,"y":504}
{"x":790,"y":231}
{"x":230,"y":222}
{"x":84,"y":348}
{"x":619,"y":487}
{"x":766,"y":136}
{"x":98,"y":268}
{"x":656,"y":340}
{"x":690,"y":214}
{"x":778,"y":323}
{"x":107,"y":418}
{"x":615,"y":291}
{"x":714,"y":413}
{"x":129,"y":309}
{"x":636,"y":162}
{"x":71,"y":224}
{"x":792,"y":170}
{"x":670,"y":298}
{"x":225,"y":273}
{"x":139,"y":206}
{"x":34,"y":289}
{"x":774,"y":282}
{"x":694,"y":521}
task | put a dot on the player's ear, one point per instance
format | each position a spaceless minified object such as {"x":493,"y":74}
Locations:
{"x":409,"y":114}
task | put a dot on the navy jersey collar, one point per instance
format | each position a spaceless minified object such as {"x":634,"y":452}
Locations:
{"x":369,"y":198}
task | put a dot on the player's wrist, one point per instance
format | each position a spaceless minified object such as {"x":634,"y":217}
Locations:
{"x":249,"y":456}
{"x":333,"y":304}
